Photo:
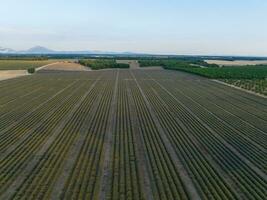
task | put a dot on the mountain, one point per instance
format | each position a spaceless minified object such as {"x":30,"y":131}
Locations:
{"x":44,"y":50}
{"x":6,"y":50}
{"x":33,"y":50}
{"x":39,"y":50}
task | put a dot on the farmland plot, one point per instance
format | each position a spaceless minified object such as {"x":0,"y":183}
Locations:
{"x":130,"y":134}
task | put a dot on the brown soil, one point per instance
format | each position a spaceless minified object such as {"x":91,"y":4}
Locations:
{"x":7,"y":74}
{"x":65,"y":66}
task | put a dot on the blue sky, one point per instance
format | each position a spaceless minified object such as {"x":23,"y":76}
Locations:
{"x":211,"y":27}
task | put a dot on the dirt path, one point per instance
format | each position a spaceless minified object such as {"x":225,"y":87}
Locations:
{"x":42,"y":67}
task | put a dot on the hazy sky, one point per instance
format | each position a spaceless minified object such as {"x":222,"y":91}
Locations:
{"x":236,"y":27}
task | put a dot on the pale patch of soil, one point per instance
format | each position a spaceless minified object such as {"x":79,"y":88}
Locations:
{"x":236,"y":62}
{"x":65,"y":66}
{"x":7,"y":74}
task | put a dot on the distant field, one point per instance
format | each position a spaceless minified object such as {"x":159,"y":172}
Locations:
{"x":23,"y":64}
{"x":236,"y":62}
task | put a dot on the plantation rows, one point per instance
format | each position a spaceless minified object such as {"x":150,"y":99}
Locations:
{"x":258,"y":85}
{"x":130,"y":134}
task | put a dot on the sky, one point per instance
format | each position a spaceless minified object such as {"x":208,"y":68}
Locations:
{"x":193,"y":27}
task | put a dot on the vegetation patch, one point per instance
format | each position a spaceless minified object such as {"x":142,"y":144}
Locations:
{"x":176,"y":63}
{"x":102,"y":64}
{"x":246,"y":72}
{"x":31,"y":70}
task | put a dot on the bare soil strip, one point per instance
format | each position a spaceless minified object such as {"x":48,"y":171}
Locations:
{"x":42,"y":67}
{"x":31,"y":165}
{"x":190,"y":188}
{"x":146,"y":184}
{"x":105,"y":179}
{"x":9,"y":74}
{"x":245,"y":160}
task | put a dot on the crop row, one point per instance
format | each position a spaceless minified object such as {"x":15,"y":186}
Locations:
{"x":28,"y":98}
{"x":239,"y":101}
{"x":10,"y":93}
{"x":39,"y":183}
{"x":206,"y":179}
{"x":38,"y":106}
{"x":243,"y":114}
{"x":241,"y":173}
{"x":164,"y":174}
{"x":236,"y":137}
{"x":22,"y":144}
{"x":219,"y":109}
{"x":83,"y":181}
{"x":125,"y":175}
